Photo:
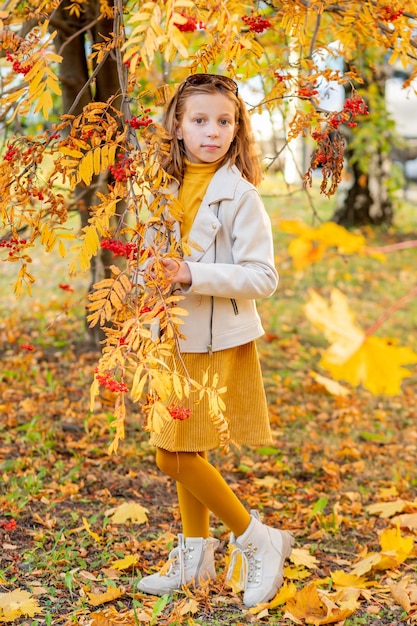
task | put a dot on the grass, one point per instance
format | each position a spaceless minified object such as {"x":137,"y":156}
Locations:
{"x":330,"y":458}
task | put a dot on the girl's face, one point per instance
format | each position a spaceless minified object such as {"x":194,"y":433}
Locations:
{"x":208,"y":127}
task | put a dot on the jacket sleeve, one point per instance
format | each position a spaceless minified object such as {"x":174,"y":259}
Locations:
{"x":249,"y":271}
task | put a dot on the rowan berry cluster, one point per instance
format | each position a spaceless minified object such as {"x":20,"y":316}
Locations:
{"x":14,"y":244}
{"x":123,"y":169}
{"x":190,"y":25}
{"x":16,"y":64}
{"x":110,"y":383}
{"x":388,"y":14}
{"x":179,"y":412}
{"x":8,"y":526}
{"x":352,"y":107}
{"x":307,"y":92}
{"x":256,"y":22}
{"x":140,"y":121}
{"x":356,"y":106}
{"x":27,"y":346}
{"x":11,"y":153}
{"x":120,"y":248}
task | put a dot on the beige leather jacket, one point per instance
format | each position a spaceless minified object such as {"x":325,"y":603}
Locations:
{"x":233,"y":266}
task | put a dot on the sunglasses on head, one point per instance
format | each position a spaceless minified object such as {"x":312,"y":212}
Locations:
{"x":211,"y":79}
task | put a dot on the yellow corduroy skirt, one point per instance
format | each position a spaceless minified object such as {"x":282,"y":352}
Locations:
{"x":246,"y":407}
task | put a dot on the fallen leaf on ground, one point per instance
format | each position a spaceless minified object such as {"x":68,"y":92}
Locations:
{"x":112,"y":593}
{"x":16,"y":604}
{"x":128,"y":511}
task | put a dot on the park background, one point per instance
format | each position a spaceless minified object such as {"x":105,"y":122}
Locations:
{"x":78,"y":524}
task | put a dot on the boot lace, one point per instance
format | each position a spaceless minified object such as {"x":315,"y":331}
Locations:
{"x":249,"y":568}
{"x":176,"y":561}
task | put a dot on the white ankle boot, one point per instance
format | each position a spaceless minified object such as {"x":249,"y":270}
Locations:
{"x":191,"y":561}
{"x":263,"y":551}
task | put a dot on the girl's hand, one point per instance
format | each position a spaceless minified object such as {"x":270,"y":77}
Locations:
{"x":177,"y":271}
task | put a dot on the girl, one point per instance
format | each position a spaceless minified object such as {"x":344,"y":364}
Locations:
{"x":231,"y":263}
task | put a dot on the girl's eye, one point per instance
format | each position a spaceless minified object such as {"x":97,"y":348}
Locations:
{"x":198,"y":120}
{"x":224,"y":122}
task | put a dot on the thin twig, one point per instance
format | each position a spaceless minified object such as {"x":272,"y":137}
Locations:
{"x":392,"y":309}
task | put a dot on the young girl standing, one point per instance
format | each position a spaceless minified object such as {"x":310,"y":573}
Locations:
{"x":231,"y":263}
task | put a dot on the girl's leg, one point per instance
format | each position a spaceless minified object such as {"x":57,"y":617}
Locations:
{"x":205,"y":484}
{"x":195,"y":516}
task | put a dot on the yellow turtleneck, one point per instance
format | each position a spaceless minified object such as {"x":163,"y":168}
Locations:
{"x":197,"y":177}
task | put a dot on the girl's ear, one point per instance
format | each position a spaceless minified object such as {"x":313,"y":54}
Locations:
{"x":178,"y":133}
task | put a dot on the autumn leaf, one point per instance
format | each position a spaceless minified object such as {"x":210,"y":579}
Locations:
{"x":318,"y":608}
{"x":374,"y":362}
{"x":337,"y":323}
{"x":112,"y":593}
{"x":386,"y":509}
{"x":333,"y":387}
{"x":404,"y":593}
{"x":126,"y":563}
{"x":128,"y":511}
{"x":285,"y":592}
{"x":302,"y":556}
{"x":407,"y":520}
{"x":16,"y":604}
{"x":312,"y":243}
{"x":94,"y":535}
{"x":395,"y":549}
{"x":343,"y":579}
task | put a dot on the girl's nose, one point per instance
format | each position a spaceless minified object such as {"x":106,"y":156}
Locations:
{"x":212,"y":130}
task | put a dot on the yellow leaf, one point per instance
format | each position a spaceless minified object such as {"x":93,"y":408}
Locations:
{"x":337,"y":323}
{"x":92,"y":534}
{"x":157,"y":417}
{"x":62,"y":250}
{"x":126,"y":563}
{"x":364,"y":566}
{"x":395,"y":548}
{"x":301,"y":556}
{"x":138,"y":384}
{"x":377,"y":365}
{"x":17,"y":603}
{"x":71,"y":152}
{"x":161,"y":383}
{"x":177,"y":386}
{"x":304,"y":253}
{"x":316,"y":608}
{"x":386,"y":509}
{"x":334,"y":235}
{"x":342,"y":579}
{"x":53,"y":85}
{"x":405,"y":594}
{"x":334,"y":388}
{"x":407,"y":520}
{"x":96,"y":599}
{"x":297,"y":572}
{"x":234,"y":578}
{"x":286,"y":592}
{"x":86,"y":168}
{"x":128,"y":511}
{"x":97,"y":161}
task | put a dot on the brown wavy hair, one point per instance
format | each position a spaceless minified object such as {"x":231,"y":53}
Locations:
{"x":243,"y":151}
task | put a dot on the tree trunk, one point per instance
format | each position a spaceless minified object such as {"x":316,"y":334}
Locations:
{"x":367,"y":200}
{"x":71,"y":42}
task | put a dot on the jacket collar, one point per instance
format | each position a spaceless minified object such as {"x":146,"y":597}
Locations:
{"x":222,"y":186}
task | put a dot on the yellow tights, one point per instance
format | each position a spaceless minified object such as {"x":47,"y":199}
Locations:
{"x":201,"y":489}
